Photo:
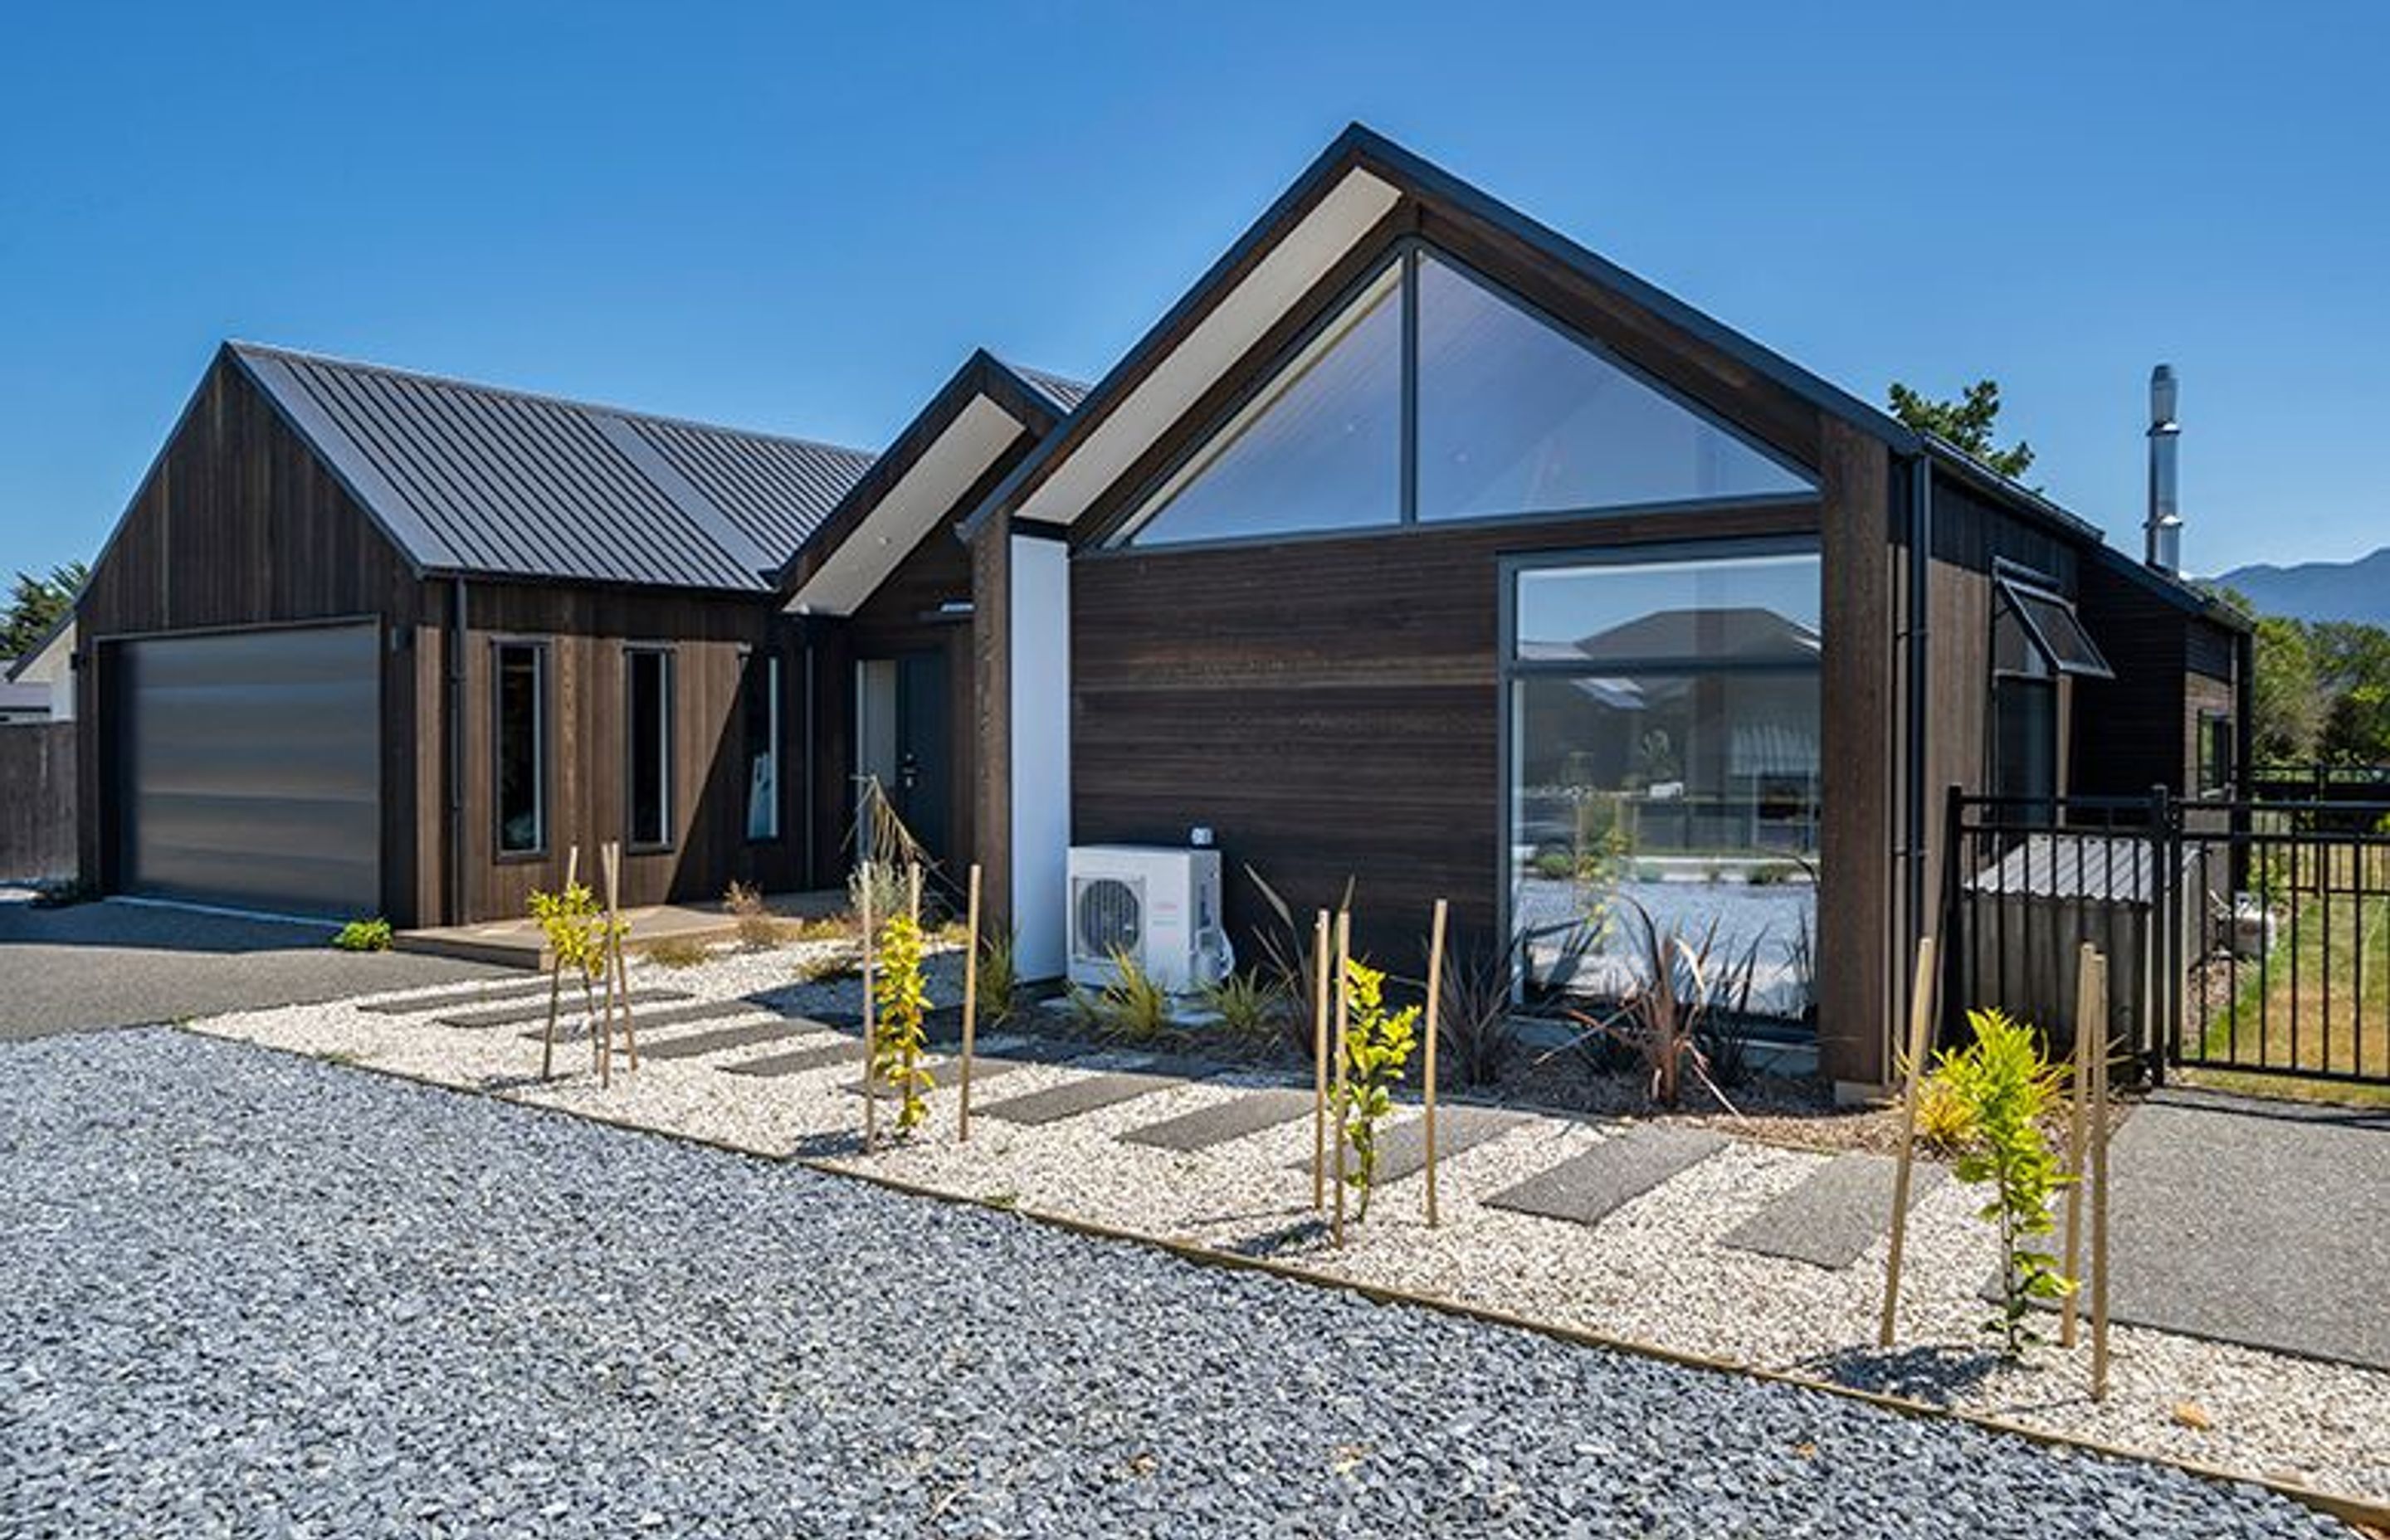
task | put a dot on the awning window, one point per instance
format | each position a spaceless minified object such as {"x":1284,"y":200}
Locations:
{"x":2036,"y":633}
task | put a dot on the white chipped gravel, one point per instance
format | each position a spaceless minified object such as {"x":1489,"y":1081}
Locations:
{"x":1653,"y":1271}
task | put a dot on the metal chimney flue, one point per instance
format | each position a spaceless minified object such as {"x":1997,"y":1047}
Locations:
{"x":2163,"y":528}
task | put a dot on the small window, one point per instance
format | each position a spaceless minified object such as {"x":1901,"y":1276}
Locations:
{"x":521,"y":745}
{"x":760,"y":712}
{"x":2042,"y":624}
{"x":2215,"y":753}
{"x":649,"y":718}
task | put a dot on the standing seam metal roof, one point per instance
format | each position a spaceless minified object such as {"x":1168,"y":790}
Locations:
{"x":476,"y":479}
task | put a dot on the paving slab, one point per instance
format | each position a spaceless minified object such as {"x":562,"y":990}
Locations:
{"x":425,"y":1005}
{"x":515,"y":1016}
{"x":722,"y":1039}
{"x":679,"y":1015}
{"x":1075,"y":1098}
{"x":983,"y":1071}
{"x":1402,"y":1149}
{"x":1590,"y":1187}
{"x":2242,"y":1221}
{"x":1206,"y":1126}
{"x":1835,"y":1215}
{"x":797,"y":1061}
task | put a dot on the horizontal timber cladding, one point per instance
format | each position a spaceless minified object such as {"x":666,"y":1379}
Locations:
{"x":1329,"y":707}
{"x":587,"y":630}
{"x":237,"y":525}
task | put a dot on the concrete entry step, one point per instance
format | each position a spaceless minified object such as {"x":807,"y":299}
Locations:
{"x":1248,"y":1113}
{"x":570,"y":1004}
{"x":1590,"y":1187}
{"x":452,"y":999}
{"x":1402,"y":1149}
{"x":674,"y":1015}
{"x":1835,"y":1215}
{"x":1075,"y":1098}
{"x":725,"y":1038}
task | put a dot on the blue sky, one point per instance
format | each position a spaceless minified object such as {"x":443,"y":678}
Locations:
{"x":802,"y":221}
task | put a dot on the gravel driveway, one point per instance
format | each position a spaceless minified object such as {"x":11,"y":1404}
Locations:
{"x":121,"y":965}
{"x":249,"y":1293}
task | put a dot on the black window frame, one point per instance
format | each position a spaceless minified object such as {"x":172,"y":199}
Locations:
{"x":667,"y":657}
{"x":768,"y":659}
{"x":2213,"y":771}
{"x":542,"y":736}
{"x":1126,"y":510}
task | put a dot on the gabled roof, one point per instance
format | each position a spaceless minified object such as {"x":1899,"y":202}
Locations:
{"x":475,"y":479}
{"x":985,"y":410}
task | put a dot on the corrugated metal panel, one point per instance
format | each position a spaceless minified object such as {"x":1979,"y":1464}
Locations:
{"x":470,"y":478}
{"x":1065,"y":394}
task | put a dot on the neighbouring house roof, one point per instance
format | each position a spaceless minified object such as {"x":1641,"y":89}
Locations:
{"x":480,"y":481}
{"x":45,"y":658}
{"x":987,"y":409}
{"x":16,"y":698}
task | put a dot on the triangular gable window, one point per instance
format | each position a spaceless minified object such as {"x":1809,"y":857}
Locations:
{"x":1517,"y":418}
{"x":1508,"y":417}
{"x":1319,"y":448}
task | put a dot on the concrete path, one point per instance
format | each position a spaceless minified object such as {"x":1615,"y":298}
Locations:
{"x":1595,"y":1185}
{"x":1832,"y":1219}
{"x":115,"y":963}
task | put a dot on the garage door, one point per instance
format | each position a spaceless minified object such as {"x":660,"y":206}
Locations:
{"x":249,"y":769}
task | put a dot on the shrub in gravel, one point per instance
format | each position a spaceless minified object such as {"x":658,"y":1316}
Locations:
{"x":1666,"y":1010}
{"x":758,"y":927}
{"x":999,"y":977}
{"x":1248,"y":1005}
{"x":2006,"y":1086}
{"x":579,"y":934}
{"x":1132,"y":1007}
{"x":1378,"y":1046}
{"x":363,"y":935}
{"x":901,"y":997}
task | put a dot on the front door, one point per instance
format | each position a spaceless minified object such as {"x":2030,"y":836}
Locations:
{"x":902,"y":741}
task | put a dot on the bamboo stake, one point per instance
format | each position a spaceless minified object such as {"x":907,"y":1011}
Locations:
{"x":871,"y":1027}
{"x":913,"y":903}
{"x":1319,"y":1064}
{"x":1434,"y":1000}
{"x":1341,"y":1048}
{"x":556,"y":983}
{"x":1920,"y":1027}
{"x":2080,"y":1094}
{"x":2099,"y":1185}
{"x":614,"y":929}
{"x":971,"y":1002}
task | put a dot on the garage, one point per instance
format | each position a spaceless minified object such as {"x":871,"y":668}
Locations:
{"x":248,"y":768}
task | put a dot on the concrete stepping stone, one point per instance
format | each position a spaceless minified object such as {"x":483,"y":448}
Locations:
{"x":700,"y":1043}
{"x":515,"y":1016}
{"x":671,"y":1016}
{"x":1402,"y":1149}
{"x":798,"y":1061}
{"x":1833,"y":1217}
{"x":452,"y":999}
{"x":1588,"y":1189}
{"x":1206,"y":1126}
{"x":948,"y":1071}
{"x":1075,"y":1098}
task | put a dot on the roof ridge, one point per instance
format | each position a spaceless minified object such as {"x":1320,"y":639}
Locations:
{"x":546,"y":397}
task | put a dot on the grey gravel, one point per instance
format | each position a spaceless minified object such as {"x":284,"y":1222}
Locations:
{"x":253,"y":1294}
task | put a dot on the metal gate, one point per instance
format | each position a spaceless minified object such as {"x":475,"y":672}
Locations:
{"x":2246,"y":935}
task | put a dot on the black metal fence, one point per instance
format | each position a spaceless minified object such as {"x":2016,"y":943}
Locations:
{"x":2250,"y":934}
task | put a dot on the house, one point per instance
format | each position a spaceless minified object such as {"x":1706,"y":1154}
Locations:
{"x":40,"y":686}
{"x":1414,"y":545}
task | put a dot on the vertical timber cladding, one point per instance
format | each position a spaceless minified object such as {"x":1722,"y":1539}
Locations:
{"x":1858,"y":965}
{"x":1330,"y":707}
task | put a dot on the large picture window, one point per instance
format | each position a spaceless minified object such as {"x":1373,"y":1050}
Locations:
{"x":647,"y":721}
{"x":519,"y":772}
{"x":1664,"y":754}
{"x":1431,"y":394}
{"x":759,"y":711}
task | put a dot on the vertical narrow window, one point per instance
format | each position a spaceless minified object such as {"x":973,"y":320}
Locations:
{"x":521,"y":746}
{"x":648,"y":720}
{"x":759,"y":710}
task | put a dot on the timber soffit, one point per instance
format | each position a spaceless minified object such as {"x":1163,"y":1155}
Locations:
{"x":1362,"y":149}
{"x":480,"y":480}
{"x":1035,"y":399}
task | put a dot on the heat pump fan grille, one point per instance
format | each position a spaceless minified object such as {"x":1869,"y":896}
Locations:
{"x":1111,"y":916}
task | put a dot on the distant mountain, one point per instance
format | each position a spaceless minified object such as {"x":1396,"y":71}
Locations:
{"x":2356,"y":590}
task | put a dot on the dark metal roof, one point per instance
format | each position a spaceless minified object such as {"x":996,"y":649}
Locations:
{"x":477,"y":480}
{"x":1064,"y":393}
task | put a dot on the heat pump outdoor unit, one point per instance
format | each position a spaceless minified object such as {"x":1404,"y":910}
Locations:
{"x":1156,"y":906}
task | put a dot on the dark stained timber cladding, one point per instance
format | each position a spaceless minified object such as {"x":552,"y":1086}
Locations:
{"x":1329,"y":707}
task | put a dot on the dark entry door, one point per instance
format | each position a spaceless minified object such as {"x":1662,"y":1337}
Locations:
{"x":923,"y":752}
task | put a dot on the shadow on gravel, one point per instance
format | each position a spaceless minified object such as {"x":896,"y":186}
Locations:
{"x":826,"y":1147}
{"x":1941,"y":1375}
{"x":1303,"y":1236}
